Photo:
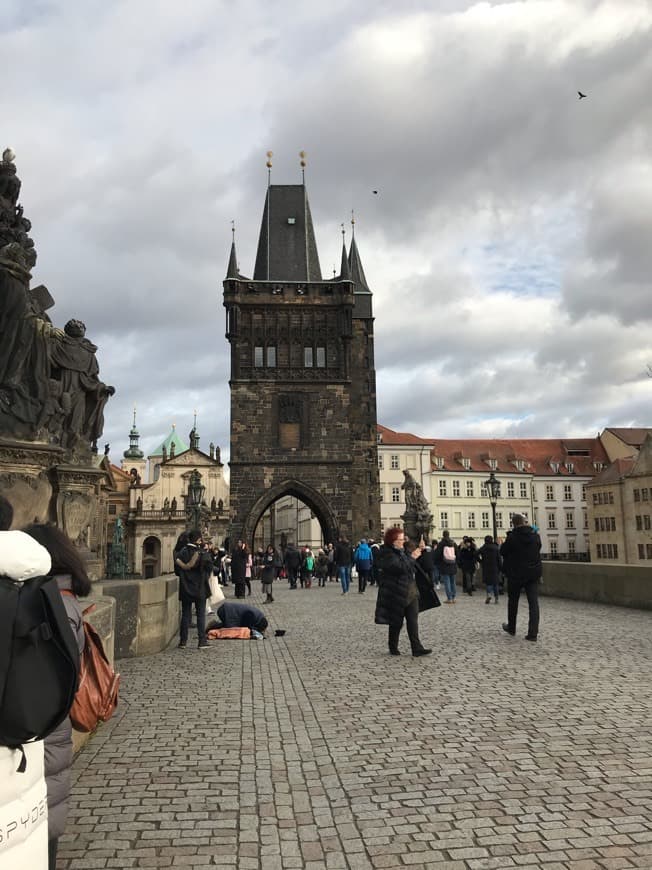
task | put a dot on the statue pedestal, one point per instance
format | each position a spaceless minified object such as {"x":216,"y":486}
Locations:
{"x":42,"y":488}
{"x":417,"y":525}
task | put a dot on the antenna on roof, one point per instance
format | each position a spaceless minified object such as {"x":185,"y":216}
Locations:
{"x":352,"y":223}
{"x":302,"y":163}
{"x":269,"y":155}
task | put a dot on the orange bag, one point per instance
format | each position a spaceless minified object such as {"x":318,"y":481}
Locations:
{"x":97,"y":694}
{"x":230,"y":634}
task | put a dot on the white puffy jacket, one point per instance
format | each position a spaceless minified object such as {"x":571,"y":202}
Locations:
{"x":23,"y":796}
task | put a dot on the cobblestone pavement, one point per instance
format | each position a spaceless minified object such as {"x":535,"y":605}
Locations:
{"x":320,"y":751}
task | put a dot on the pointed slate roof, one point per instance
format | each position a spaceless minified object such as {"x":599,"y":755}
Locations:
{"x":357,"y":272}
{"x":345,"y":272}
{"x":172,"y":438}
{"x":232,"y":268}
{"x":287,"y":249}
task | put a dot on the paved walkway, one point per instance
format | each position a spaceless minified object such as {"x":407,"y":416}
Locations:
{"x":320,"y":751}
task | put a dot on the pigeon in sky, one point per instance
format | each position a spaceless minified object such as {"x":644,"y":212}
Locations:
{"x":581,"y":95}
{"x":375,"y":192}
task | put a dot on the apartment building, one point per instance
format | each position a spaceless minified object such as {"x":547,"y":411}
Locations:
{"x":620,"y":509}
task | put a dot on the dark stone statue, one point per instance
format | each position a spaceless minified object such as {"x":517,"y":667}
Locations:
{"x":50,"y":390}
{"x":417,"y":518}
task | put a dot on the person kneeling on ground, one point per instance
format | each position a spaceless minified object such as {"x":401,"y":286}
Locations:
{"x":233,"y":615}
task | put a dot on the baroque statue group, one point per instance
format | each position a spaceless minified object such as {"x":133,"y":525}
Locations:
{"x":50,"y":390}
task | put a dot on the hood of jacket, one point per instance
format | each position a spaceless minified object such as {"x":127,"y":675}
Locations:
{"x":21,"y":557}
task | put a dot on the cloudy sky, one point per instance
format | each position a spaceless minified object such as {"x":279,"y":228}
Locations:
{"x":509,"y":247}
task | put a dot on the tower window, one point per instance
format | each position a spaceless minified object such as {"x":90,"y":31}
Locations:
{"x":321,"y":357}
{"x":308,"y":357}
{"x":271,"y":357}
{"x":258,"y":357}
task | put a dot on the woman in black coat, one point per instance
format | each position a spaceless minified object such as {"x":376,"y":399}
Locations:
{"x":402,"y":593}
{"x":492,"y":564}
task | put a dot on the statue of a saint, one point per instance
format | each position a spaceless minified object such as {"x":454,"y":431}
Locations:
{"x":415,"y":500}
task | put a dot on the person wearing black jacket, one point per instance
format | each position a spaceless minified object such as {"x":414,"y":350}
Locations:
{"x":521,"y":553}
{"x":344,"y":560}
{"x":402,"y":592}
{"x":467,"y":559}
{"x":239,"y":558}
{"x":489,"y":555}
{"x":196,"y":567}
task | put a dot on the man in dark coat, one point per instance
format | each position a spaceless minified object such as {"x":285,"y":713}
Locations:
{"x":343,"y":560}
{"x":467,"y":558}
{"x":489,"y":555}
{"x":196,"y":567}
{"x":233,"y":615}
{"x":292,"y":564}
{"x":521,"y":553}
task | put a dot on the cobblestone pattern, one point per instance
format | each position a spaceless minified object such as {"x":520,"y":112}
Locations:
{"x":319,"y":751}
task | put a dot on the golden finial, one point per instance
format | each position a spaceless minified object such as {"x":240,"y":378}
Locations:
{"x":270,"y":154}
{"x":233,"y":230}
{"x":343,"y":231}
{"x":302,"y":162}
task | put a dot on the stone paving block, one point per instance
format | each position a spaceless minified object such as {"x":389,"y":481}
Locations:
{"x":316,"y":760}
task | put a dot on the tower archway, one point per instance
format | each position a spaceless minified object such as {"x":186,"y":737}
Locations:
{"x":301,"y":491}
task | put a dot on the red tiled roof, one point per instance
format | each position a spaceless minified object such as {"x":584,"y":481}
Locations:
{"x":536,"y":453}
{"x":390,"y":437}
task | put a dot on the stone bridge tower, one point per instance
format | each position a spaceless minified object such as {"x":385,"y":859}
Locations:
{"x":303,"y":384}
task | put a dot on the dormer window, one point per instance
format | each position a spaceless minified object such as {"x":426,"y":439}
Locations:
{"x":493,"y":464}
{"x":597,"y":466}
{"x":466,"y":463}
{"x":439,"y":462}
{"x":570,"y":467}
{"x":555,"y":467}
{"x":379,"y":438}
{"x":520,"y":465}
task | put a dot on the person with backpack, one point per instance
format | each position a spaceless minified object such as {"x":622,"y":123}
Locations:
{"x":307,"y":568}
{"x":70,"y":574}
{"x":362,"y":559}
{"x":491,"y":563}
{"x":37,"y":691}
{"x":446,"y":561}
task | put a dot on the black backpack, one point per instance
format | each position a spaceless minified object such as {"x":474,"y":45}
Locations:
{"x":39,"y":661}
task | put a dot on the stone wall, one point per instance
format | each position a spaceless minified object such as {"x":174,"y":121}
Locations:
{"x":620,"y":585}
{"x":147,"y":614}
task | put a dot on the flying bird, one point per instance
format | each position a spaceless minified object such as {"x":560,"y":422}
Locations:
{"x":581,"y":95}
{"x":375,"y":192}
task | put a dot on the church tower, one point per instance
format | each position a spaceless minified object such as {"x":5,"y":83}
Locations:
{"x":303,"y":392}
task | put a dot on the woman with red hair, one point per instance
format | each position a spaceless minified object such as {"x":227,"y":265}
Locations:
{"x":402,"y":591}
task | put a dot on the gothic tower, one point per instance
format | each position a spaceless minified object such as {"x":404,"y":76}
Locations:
{"x":303,"y":390}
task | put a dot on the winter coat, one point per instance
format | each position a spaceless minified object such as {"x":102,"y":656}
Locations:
{"x":21,"y":558}
{"x":362,"y":556}
{"x":491,"y":562}
{"x":321,"y":566}
{"x":451,"y":569}
{"x":233,"y":615}
{"x":397,"y":576}
{"x":58,"y":745}
{"x":521,"y":552}
{"x":269,"y":569}
{"x":427,"y":561}
{"x":467,"y":558}
{"x":292,"y":558}
{"x":239,"y":565}
{"x":193,"y":582}
{"x":343,"y":554}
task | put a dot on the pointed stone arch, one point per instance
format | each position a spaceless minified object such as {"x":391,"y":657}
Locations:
{"x":302,"y":491}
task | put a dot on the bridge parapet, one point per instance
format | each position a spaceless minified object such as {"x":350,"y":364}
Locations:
{"x":620,"y":585}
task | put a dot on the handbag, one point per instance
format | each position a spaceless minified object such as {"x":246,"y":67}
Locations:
{"x":97,"y":693}
{"x":217,"y":595}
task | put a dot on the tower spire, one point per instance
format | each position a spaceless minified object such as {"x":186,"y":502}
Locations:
{"x":355,"y":264}
{"x":232,"y":268}
{"x":345,"y":271}
{"x":134,"y":451}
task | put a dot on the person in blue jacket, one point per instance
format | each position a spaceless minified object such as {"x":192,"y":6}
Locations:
{"x":363,"y":562}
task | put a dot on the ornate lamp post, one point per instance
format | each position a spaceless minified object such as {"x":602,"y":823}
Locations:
{"x":493,"y":491}
{"x":195,"y":498}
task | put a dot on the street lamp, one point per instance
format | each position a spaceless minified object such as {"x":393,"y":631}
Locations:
{"x":493,"y":490}
{"x":195,"y":497}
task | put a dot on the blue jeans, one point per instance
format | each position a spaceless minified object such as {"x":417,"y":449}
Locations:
{"x":450,"y":586}
{"x":344,"y":572}
{"x":492,"y":589}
